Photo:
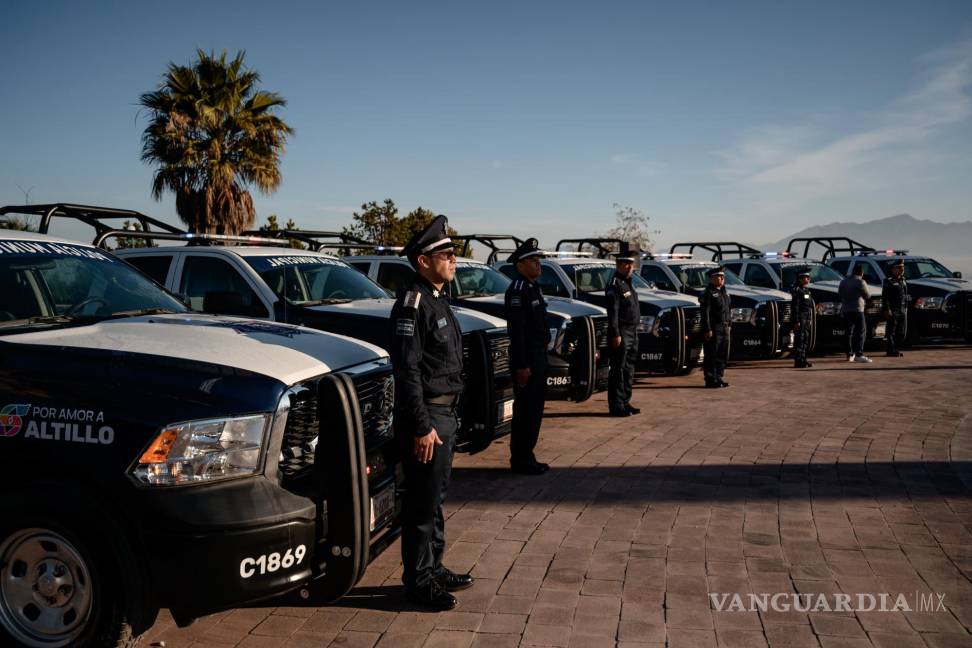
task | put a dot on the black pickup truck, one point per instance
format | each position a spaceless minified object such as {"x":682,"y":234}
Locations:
{"x":157,"y":458}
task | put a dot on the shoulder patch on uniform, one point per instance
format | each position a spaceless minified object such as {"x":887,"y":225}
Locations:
{"x":405,"y":326}
{"x":515,"y":301}
{"x":412,"y":299}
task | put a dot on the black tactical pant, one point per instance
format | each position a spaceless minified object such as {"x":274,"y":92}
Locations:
{"x":716,"y":351}
{"x":801,"y":342}
{"x":622,"y":370}
{"x":423,"y":526}
{"x":896,"y":330}
{"x":528,"y":402}
{"x":855,"y":326}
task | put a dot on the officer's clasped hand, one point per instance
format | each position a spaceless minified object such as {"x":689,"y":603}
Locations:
{"x":523,"y":377}
{"x":425,"y":446}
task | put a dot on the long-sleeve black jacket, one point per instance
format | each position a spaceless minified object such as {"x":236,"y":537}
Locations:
{"x":802,"y":310}
{"x":716,"y":308}
{"x":526,"y":323}
{"x":894,"y":294}
{"x":426,"y":352}
{"x":623,"y":307}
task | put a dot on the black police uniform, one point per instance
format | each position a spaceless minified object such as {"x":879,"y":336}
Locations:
{"x":426,"y":351}
{"x":716,"y":318}
{"x":895,"y":296}
{"x":801,"y":313}
{"x":526,"y":322}
{"x":624,"y":311}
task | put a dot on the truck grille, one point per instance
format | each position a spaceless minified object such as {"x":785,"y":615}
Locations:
{"x":874,"y":306}
{"x":376,"y":400}
{"x":499,"y":350}
{"x":693,"y":319}
{"x":600,"y":331}
{"x":786,"y":311}
{"x":300,"y":436}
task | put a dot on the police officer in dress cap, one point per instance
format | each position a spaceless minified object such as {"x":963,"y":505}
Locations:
{"x":526,"y":321}
{"x":624,"y":312}
{"x":426,"y":351}
{"x":802,"y":317}
{"x":894,"y":293}
{"x":716,"y":319}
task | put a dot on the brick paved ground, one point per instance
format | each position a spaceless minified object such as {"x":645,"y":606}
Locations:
{"x":839,"y":479}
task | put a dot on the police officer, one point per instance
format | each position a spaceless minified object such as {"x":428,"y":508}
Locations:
{"x":526,"y":321}
{"x":895,"y":296}
{"x":624,"y":311}
{"x":716,"y":319}
{"x":802,"y":317}
{"x":426,"y":352}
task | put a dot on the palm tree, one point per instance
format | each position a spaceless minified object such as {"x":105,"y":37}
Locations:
{"x":212,"y":135}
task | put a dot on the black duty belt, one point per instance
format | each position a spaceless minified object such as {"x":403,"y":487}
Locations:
{"x":446,"y":400}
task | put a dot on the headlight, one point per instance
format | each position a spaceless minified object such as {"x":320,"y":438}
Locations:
{"x":929,"y":303}
{"x":646,"y":323}
{"x":828,"y":308}
{"x":204,"y":451}
{"x":741,"y":315}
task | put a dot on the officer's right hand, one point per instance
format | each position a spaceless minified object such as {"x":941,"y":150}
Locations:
{"x":616,"y":342}
{"x":522,"y":377}
{"x":796,"y":327}
{"x":708,"y":335}
{"x":425,"y":446}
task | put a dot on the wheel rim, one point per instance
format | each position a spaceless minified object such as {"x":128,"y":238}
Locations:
{"x":45,"y":589}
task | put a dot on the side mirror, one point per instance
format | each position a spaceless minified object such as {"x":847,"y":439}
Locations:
{"x":957,"y":274}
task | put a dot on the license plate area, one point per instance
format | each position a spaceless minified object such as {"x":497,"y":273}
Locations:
{"x":504,"y":411}
{"x":382,"y":506}
{"x":879,"y":329}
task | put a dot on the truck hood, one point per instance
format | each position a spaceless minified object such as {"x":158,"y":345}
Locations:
{"x":280,"y":351}
{"x":560,"y":306}
{"x":666,"y":298}
{"x":469,"y":320}
{"x":948,"y":285}
{"x":757,"y":293}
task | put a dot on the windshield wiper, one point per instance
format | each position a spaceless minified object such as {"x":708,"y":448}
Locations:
{"x":320,"y":302}
{"x":135,"y":312}
{"x":39,"y":319}
{"x":477,"y":294}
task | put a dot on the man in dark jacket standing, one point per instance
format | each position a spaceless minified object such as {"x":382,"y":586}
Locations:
{"x":801,"y":314}
{"x":426,"y":352}
{"x":853,"y":295}
{"x":896,"y":299}
{"x":624,"y":312}
{"x":526,"y":322}
{"x":716,"y":319}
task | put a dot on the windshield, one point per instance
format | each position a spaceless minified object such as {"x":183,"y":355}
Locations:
{"x":48,"y":284}
{"x":818,"y":272}
{"x":918,"y":269}
{"x":696,"y":276}
{"x":306,"y":279}
{"x":594,"y":277}
{"x":473,"y":280}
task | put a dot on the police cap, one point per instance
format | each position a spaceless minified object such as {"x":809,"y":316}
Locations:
{"x":433,"y":238}
{"x":803,"y":272}
{"x":627,"y":253}
{"x":718,"y":270}
{"x":528,"y":248}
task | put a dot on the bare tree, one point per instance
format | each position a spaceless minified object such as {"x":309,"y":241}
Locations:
{"x":631,"y":225}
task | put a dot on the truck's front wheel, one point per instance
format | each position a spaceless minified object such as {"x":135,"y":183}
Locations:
{"x":55,"y":589}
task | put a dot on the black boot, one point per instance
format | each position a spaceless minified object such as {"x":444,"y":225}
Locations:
{"x":432,"y":596}
{"x":453,"y":582}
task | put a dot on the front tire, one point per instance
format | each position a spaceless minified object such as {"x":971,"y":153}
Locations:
{"x":59,"y":586}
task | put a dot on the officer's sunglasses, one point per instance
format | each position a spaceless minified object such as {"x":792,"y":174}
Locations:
{"x":448,"y":255}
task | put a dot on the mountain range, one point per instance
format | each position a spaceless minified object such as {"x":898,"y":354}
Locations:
{"x":948,"y":243}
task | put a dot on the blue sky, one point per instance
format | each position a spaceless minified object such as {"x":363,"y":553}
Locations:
{"x":747,"y":120}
